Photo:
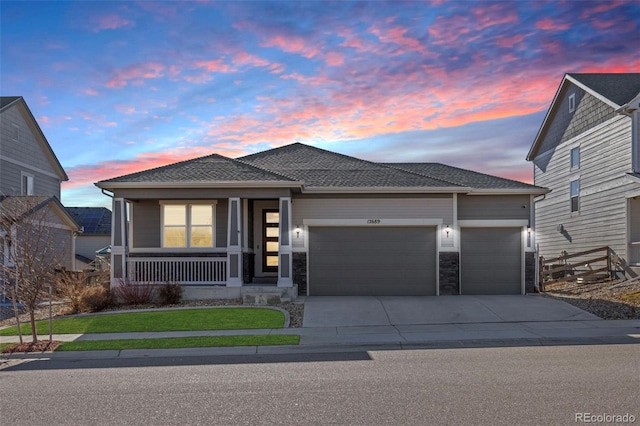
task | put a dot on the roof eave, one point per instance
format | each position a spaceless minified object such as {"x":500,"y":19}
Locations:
{"x":509,"y":191}
{"x":200,"y":184}
{"x":382,"y":189}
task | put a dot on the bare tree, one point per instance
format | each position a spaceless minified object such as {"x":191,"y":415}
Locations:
{"x":34,"y":249}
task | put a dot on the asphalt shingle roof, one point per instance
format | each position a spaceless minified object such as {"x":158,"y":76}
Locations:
{"x":462,"y":177}
{"x":212,"y":168}
{"x":320,"y":168}
{"x":619,"y":88}
{"x":94,"y":220}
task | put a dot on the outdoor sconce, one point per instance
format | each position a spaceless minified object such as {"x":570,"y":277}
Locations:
{"x":447,"y":229}
{"x":298,"y":231}
{"x":529,"y":230}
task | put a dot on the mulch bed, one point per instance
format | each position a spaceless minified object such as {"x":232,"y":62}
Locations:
{"x":39,"y":346}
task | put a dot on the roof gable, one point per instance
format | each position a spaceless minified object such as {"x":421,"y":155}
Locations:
{"x":19,"y":207}
{"x":320,"y":168}
{"x":612,"y":89}
{"x":7,"y":102}
{"x":210,"y":168}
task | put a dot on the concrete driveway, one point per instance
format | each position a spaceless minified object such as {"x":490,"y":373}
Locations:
{"x":351,"y":311}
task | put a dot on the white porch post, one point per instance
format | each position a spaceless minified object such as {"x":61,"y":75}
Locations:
{"x":119,"y":249}
{"x":285,"y":250}
{"x":234,"y":244}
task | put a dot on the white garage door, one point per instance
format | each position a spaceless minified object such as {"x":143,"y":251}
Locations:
{"x":365,"y":261}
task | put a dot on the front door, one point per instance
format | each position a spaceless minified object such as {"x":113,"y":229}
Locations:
{"x":270,"y":243}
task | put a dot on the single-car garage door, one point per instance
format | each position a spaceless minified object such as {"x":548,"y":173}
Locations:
{"x":367,"y":261}
{"x":491,"y":260}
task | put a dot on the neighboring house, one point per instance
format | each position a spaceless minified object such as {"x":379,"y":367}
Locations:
{"x":30,"y":175}
{"x":327,"y":223}
{"x":52,"y":230}
{"x":587,"y":152}
{"x":95,"y":223}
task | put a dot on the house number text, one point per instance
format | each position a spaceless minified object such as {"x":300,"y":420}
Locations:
{"x":373,"y":221}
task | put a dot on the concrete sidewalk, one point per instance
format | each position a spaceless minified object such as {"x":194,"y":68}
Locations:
{"x":363,"y":338}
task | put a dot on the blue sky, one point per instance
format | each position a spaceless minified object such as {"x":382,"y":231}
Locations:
{"x":119,"y":87}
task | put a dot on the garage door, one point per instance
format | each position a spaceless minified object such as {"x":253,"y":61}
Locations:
{"x":384,"y":261}
{"x":490,"y":260}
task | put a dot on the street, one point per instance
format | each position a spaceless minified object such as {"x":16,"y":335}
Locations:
{"x":513,"y":385}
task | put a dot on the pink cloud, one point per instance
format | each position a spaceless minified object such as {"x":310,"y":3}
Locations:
{"x":397,"y":35}
{"x":509,"y":42}
{"x":334,"y":59}
{"x":548,"y":24}
{"x":244,"y":58}
{"x":91,"y":92}
{"x":495,"y":14}
{"x":292,"y":44}
{"x":135,"y":73}
{"x":110,"y":22}
{"x":216,"y":65}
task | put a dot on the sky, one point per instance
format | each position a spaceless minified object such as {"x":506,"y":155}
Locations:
{"x":123,"y":86}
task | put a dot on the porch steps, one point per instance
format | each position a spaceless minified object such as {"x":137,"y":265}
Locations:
{"x":266,"y":295}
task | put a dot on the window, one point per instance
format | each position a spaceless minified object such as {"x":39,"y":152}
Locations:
{"x":575,"y":195}
{"x":572,"y":102}
{"x":575,"y":157}
{"x":27,"y":184}
{"x":188,"y":225}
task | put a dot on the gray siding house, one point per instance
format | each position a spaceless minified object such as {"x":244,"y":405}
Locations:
{"x":311,"y":221}
{"x":587,"y":152}
{"x":30,"y":176}
{"x":95,"y":223}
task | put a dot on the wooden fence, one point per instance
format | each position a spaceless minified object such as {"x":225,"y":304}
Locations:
{"x":590,"y":263}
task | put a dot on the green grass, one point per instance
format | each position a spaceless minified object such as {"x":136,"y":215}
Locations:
{"x":161,"y":320}
{"x":181,"y":342}
{"x":5,"y":345}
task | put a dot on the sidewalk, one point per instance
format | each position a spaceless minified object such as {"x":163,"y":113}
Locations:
{"x":363,"y":338}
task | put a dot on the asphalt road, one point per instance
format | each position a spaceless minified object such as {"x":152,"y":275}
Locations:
{"x":515,"y":385}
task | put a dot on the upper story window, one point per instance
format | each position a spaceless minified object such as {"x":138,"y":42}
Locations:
{"x":575,"y":195}
{"x":188,"y":225}
{"x":575,"y":157}
{"x":572,"y":102}
{"x":27,"y":184}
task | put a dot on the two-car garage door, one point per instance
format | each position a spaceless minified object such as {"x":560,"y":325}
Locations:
{"x":372,"y":261}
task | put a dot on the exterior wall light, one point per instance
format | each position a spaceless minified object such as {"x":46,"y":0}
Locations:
{"x":298,"y":231}
{"x":447,"y":229}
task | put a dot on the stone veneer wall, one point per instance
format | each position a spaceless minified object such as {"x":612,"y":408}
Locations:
{"x":529,"y":272}
{"x":299,"y":267}
{"x":449,"y":273}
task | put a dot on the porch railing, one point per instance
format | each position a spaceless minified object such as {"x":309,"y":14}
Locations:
{"x":187,"y":270}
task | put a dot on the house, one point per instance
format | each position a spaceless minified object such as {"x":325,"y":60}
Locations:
{"x":320,"y":223}
{"x":30,"y":178}
{"x":587,"y":152}
{"x":95,"y":223}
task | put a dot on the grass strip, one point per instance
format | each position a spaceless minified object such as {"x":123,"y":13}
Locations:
{"x":5,"y":345}
{"x":180,"y":342}
{"x":160,"y":320}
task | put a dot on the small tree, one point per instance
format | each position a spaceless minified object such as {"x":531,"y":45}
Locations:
{"x":33,"y":249}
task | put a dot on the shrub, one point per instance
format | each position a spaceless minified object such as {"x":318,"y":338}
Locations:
{"x":134,"y":294}
{"x":170,"y":294}
{"x":95,"y":298}
{"x":70,"y":285}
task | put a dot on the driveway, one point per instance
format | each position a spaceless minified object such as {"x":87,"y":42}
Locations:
{"x":351,"y":311}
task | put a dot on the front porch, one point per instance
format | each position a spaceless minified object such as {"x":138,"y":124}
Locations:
{"x":252,"y":258}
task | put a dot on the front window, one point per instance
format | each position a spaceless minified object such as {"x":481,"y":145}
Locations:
{"x":27,"y":184}
{"x":575,"y":158}
{"x":187,"y":225}
{"x":575,"y":195}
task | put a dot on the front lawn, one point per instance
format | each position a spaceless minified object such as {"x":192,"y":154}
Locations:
{"x":161,"y":320}
{"x":180,"y":342}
